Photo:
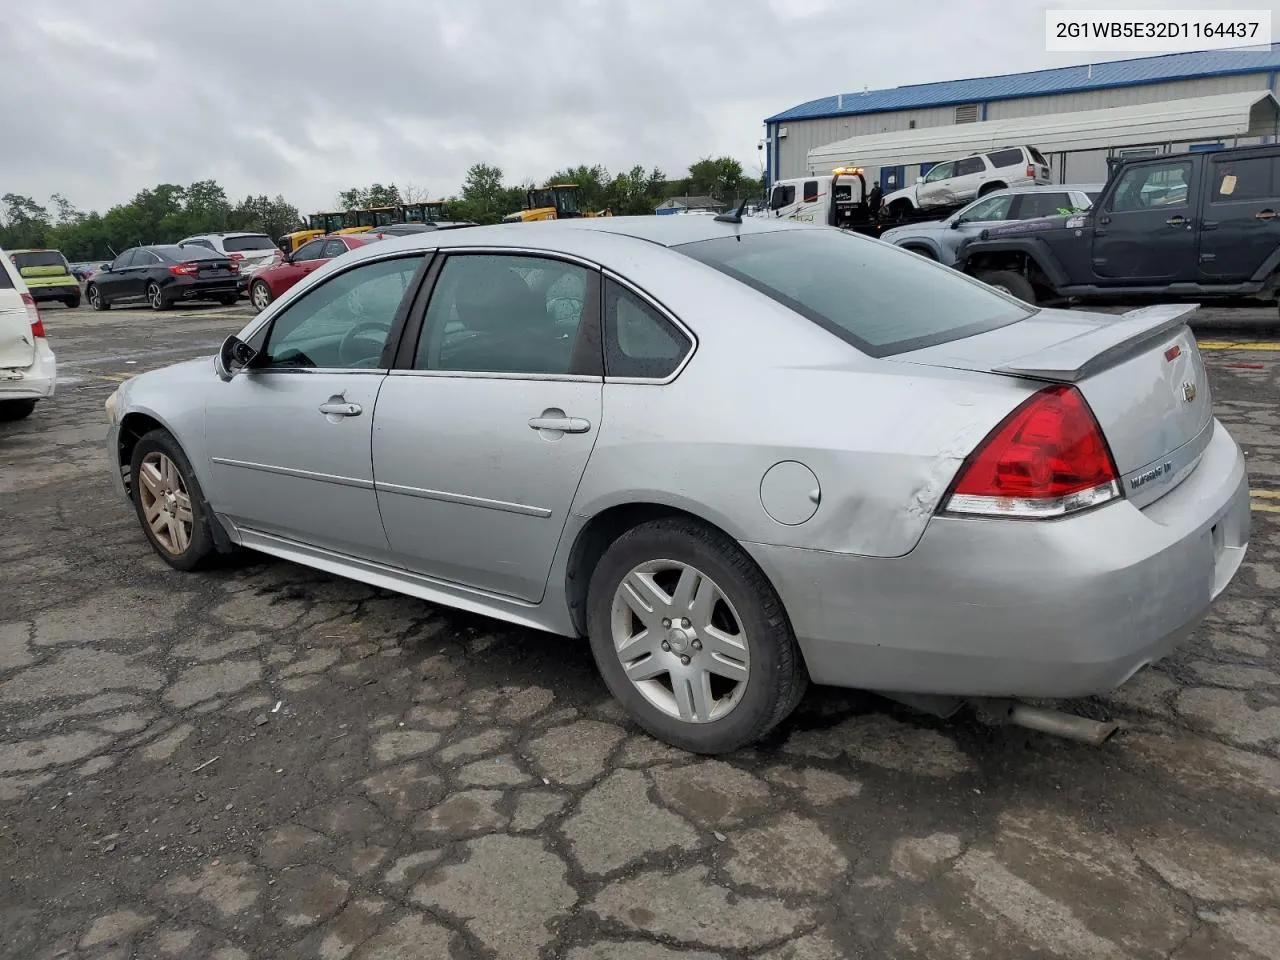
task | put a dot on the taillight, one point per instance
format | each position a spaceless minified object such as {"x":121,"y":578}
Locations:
{"x":33,"y":314}
{"x":185,"y":269}
{"x":1048,"y":458}
{"x":236,"y":256}
{"x":1031,"y":170}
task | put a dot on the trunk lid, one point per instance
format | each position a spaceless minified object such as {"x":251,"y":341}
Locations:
{"x":213,"y":268}
{"x":1141,"y":373}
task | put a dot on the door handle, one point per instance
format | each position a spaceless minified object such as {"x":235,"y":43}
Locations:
{"x":1176,"y":221}
{"x":336,"y":408}
{"x":1208,"y":224}
{"x":1264,"y":215}
{"x":561,"y":424}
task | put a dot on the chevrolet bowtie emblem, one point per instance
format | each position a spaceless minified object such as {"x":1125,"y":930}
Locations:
{"x":1188,"y":391}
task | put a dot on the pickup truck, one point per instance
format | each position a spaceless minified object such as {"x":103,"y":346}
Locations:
{"x":1182,"y":226}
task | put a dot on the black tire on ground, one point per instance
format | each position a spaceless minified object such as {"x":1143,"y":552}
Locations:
{"x":96,"y":299}
{"x":16,"y":409}
{"x":229,"y":301}
{"x":72,"y":302}
{"x":1014,"y":284}
{"x":155,"y":297}
{"x":777,"y":676}
{"x":200,"y":548}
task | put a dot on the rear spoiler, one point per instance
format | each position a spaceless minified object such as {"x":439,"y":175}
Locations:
{"x":1074,"y":359}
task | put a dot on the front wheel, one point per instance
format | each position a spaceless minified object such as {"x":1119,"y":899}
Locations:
{"x":96,"y":299}
{"x":16,"y":409}
{"x":168,"y":501}
{"x":155,"y":297}
{"x":1014,"y":284}
{"x":691,"y":637}
{"x":260,"y":295}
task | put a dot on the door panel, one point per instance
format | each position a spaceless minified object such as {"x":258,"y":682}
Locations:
{"x":469,"y":491}
{"x":1241,"y":228}
{"x":1146,"y":235}
{"x":282,"y":466}
{"x":933,"y":192}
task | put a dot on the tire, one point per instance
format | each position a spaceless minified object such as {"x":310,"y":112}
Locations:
{"x":745,"y":605}
{"x":155,"y":297}
{"x":260,"y":295}
{"x":11,"y":410}
{"x":96,"y":300}
{"x":229,"y":301}
{"x":989,"y":187}
{"x":188,"y":552}
{"x":72,"y":302}
{"x":900,"y":209}
{"x":1014,"y":284}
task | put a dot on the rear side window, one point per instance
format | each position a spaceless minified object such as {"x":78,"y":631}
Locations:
{"x":810,"y":191}
{"x":6,"y":281}
{"x":1005,"y":158}
{"x":878,"y":298}
{"x":1037,"y":156}
{"x":969,"y":165}
{"x":1249,"y":179}
{"x":239,"y":244}
{"x":638,"y":340}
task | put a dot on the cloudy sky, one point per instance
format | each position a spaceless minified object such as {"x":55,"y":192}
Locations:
{"x":306,"y":97}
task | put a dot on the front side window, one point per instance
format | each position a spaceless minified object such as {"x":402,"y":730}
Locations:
{"x":333,"y":248}
{"x":876,"y":297}
{"x":941,"y":171}
{"x":506,"y":314}
{"x":1151,"y":185}
{"x":1036,"y":205}
{"x":988,"y":209}
{"x":344,"y":322}
{"x":783,"y":195}
{"x":310,"y":251}
{"x":638,"y":340}
{"x":123,"y":261}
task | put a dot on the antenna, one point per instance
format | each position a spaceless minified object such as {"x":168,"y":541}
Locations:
{"x":733,"y":216}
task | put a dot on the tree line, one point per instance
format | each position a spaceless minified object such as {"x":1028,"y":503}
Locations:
{"x":168,"y":212}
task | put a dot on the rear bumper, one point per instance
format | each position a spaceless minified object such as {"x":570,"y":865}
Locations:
{"x":203,"y":289}
{"x":38,"y":381}
{"x":1023,"y":609}
{"x":60,"y":291}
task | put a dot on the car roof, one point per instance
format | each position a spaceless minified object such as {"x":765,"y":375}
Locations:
{"x":666,"y":231}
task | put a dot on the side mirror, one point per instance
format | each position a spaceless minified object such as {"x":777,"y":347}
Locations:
{"x":233,"y":357}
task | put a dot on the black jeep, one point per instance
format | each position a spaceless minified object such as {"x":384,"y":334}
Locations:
{"x":1181,"y":226}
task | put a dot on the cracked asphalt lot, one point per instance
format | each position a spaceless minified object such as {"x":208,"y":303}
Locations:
{"x":264,"y":761}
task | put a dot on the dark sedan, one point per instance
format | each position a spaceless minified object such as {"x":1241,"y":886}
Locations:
{"x":164,"y":274}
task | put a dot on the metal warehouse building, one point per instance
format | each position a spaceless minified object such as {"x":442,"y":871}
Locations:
{"x":1077,"y":116}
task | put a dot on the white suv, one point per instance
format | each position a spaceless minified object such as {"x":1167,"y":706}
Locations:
{"x":954,"y":182}
{"x":252,"y":251}
{"x":27,"y":368}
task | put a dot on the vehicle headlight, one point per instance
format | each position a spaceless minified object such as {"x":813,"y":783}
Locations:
{"x":111,"y":406}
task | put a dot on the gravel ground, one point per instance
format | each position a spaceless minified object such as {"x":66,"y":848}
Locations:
{"x":264,"y":761}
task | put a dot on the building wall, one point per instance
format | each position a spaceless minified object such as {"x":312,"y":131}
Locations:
{"x":791,"y":153}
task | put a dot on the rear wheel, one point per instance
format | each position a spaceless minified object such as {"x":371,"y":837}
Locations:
{"x":168,"y":501}
{"x":155,"y":297}
{"x":72,"y":302}
{"x":1014,"y":284}
{"x":691,"y":638}
{"x":96,"y":299}
{"x":229,"y":301}
{"x":260,"y":295}
{"x":900,"y":209}
{"x":16,"y":409}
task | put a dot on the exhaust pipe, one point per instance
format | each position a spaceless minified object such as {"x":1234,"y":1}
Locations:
{"x":1066,"y":725}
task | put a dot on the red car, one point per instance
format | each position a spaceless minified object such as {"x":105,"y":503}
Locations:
{"x":270,"y":282}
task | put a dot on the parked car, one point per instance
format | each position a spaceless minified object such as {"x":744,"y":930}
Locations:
{"x":1183,"y":226}
{"x":967,"y":178}
{"x":163,"y":274}
{"x":940,"y":239}
{"x":28,"y":369}
{"x":823,"y":458}
{"x":405,"y":229}
{"x":253,"y":252}
{"x":83,"y":271}
{"x":269,"y":284}
{"x":47,"y":275}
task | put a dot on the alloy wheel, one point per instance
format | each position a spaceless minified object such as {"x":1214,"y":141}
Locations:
{"x":680,"y":641}
{"x":260,"y":295}
{"x":154,"y":297}
{"x":166,"y":504}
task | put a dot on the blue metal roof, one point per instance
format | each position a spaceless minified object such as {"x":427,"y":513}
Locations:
{"x":1042,"y":83}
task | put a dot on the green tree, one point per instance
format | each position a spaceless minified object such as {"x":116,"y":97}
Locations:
{"x":720,"y":178}
{"x":262,"y":214}
{"x":484,"y":198}
{"x":374,"y":195}
{"x":23,"y":222}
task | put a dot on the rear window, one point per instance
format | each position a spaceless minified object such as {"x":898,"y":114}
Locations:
{"x":238,"y":244}
{"x":1037,"y":156}
{"x":876,"y":297}
{"x":191,"y":251}
{"x":39,"y":258}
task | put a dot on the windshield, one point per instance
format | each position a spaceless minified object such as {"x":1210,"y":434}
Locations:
{"x":878,"y":298}
{"x":318,"y":221}
{"x":39,"y":258}
{"x":567,"y":200}
{"x":238,"y":244}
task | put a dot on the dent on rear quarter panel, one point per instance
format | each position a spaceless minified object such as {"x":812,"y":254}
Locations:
{"x":884,"y":445}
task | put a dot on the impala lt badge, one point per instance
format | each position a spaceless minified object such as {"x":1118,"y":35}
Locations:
{"x":1188,"y":391}
{"x":1142,"y":479}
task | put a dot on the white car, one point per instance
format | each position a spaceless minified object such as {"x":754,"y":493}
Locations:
{"x":954,"y":182}
{"x":252,"y":251}
{"x":27,"y":366}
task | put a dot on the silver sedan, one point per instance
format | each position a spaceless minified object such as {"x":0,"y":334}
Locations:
{"x":738,"y":457}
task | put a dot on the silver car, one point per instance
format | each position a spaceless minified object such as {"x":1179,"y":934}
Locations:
{"x":738,"y":457}
{"x":941,"y":239}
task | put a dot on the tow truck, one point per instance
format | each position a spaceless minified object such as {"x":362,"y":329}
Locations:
{"x":838,"y":199}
